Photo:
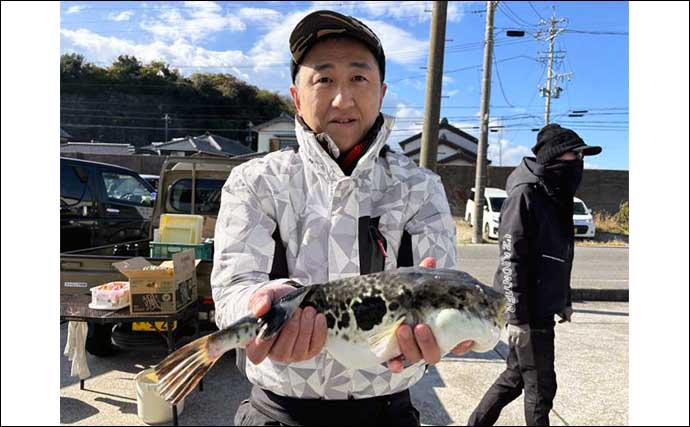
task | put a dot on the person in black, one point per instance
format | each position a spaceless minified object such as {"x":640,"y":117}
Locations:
{"x":536,"y":241}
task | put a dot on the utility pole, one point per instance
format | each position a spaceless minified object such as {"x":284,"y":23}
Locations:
{"x":432,"y":107}
{"x":480,"y":172}
{"x":550,"y":35}
{"x":167,"y":119}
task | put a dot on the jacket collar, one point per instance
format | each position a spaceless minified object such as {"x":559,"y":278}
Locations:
{"x":316,"y":157}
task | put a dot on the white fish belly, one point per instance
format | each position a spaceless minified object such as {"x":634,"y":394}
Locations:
{"x":359,"y":351}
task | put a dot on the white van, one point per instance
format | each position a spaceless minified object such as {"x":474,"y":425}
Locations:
{"x":582,"y":216}
{"x":582,"y":219}
{"x":492,"y":210}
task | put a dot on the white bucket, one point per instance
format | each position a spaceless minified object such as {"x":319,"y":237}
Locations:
{"x":151,"y":407}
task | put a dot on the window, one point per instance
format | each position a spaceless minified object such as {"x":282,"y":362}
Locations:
{"x":496,"y":203}
{"x":471,"y":196}
{"x":74,"y":185}
{"x":207,"y":199}
{"x":127,"y":188}
{"x":579,"y":209}
{"x":285,"y":143}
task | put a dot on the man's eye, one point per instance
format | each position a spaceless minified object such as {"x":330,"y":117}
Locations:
{"x":360,"y":78}
{"x":323,"y":80}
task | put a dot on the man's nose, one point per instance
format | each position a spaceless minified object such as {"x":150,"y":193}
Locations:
{"x":343,"y":98}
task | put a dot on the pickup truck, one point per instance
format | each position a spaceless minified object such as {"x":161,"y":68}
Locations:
{"x":180,"y":178}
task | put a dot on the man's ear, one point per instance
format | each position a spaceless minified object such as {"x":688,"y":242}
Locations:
{"x":295,"y":99}
{"x":383,"y":94}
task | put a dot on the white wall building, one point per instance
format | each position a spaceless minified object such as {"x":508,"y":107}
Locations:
{"x":455,"y":147}
{"x":280,"y":130}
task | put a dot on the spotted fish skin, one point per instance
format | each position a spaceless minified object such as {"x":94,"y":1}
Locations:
{"x":362,"y":315}
{"x":358,"y":309}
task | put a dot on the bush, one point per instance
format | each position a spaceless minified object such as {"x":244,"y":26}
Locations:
{"x":617,"y":223}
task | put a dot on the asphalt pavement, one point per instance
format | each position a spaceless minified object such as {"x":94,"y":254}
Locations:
{"x":599,"y":273}
{"x":591,"y":366}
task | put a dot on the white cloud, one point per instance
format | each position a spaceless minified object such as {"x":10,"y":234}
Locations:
{"x":408,"y":122}
{"x":122,"y":16}
{"x":75,"y":9}
{"x":103,"y":50}
{"x":502,"y":152}
{"x":260,"y":15}
{"x":590,"y":165}
{"x":197,"y":21}
{"x":399,"y":45}
{"x":410,"y":12}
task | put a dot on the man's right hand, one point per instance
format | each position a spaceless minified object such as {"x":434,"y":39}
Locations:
{"x":518,"y":335}
{"x":302,"y":337}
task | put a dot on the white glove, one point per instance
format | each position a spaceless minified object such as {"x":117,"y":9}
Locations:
{"x":518,"y":335}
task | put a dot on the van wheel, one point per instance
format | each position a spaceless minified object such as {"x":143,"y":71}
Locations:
{"x":99,"y":340}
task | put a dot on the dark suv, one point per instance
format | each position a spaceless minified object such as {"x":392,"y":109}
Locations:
{"x":101,"y":204}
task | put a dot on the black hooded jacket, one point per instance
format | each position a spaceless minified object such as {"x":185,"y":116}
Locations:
{"x":536,"y":242}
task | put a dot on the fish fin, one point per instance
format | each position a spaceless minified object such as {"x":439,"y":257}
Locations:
{"x":182,"y":370}
{"x":385,"y":343}
{"x":280,"y":312}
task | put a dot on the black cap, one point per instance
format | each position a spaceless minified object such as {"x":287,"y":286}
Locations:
{"x":323,"y":24}
{"x":554,"y":140}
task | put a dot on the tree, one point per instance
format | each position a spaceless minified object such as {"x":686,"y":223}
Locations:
{"x":71,"y":66}
{"x":126,"y":67}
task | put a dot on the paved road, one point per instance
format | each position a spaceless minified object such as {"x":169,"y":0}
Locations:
{"x":591,"y":364}
{"x":593,"y":268}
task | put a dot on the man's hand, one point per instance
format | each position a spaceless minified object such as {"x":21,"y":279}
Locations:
{"x":421,"y":344}
{"x":566,"y":314}
{"x":301,"y":338}
{"x":518,"y":335}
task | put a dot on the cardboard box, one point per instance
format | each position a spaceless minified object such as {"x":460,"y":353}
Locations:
{"x":165,"y":289}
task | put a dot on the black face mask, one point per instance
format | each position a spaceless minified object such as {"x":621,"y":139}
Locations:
{"x":564,"y":177}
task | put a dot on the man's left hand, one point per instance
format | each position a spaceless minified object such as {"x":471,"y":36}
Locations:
{"x":566,"y":314}
{"x":421,"y":344}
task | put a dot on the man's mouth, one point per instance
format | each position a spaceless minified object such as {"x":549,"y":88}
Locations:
{"x":343,"y":122}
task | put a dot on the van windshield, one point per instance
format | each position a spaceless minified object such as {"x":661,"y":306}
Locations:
{"x":579,"y":208}
{"x":496,"y":203}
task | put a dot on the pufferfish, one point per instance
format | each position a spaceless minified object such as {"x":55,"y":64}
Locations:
{"x":362,"y":314}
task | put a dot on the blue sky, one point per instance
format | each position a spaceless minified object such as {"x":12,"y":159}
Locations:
{"x":249,"y":40}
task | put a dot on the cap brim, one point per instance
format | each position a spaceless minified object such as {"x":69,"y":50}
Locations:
{"x":588,"y":150}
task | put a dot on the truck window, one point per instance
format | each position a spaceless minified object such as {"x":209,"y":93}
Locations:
{"x":73,"y":185}
{"x":207,"y":200}
{"x":121,"y":187}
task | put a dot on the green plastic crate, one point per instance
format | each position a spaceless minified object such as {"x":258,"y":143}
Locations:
{"x":167,"y":250}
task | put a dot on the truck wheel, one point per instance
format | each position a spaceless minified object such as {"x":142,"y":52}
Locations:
{"x":98,"y":340}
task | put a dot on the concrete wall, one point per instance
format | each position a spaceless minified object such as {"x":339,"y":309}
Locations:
{"x":601,"y":190}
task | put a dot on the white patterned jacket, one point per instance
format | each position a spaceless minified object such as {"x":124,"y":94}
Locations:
{"x":298,"y":209}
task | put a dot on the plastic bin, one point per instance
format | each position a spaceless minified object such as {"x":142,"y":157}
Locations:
{"x":151,"y":407}
{"x":110,"y":296}
{"x":167,"y":250}
{"x":185,"y":229}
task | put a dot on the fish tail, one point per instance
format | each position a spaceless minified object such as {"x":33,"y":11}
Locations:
{"x":181,"y":371}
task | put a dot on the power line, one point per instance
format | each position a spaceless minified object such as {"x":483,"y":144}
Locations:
{"x":535,"y":11}
{"x":508,"y":12}
{"x":611,"y":33}
{"x":500,"y":82}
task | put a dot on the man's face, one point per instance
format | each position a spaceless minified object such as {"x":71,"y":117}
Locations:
{"x":570,"y":155}
{"x":338,"y":90}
